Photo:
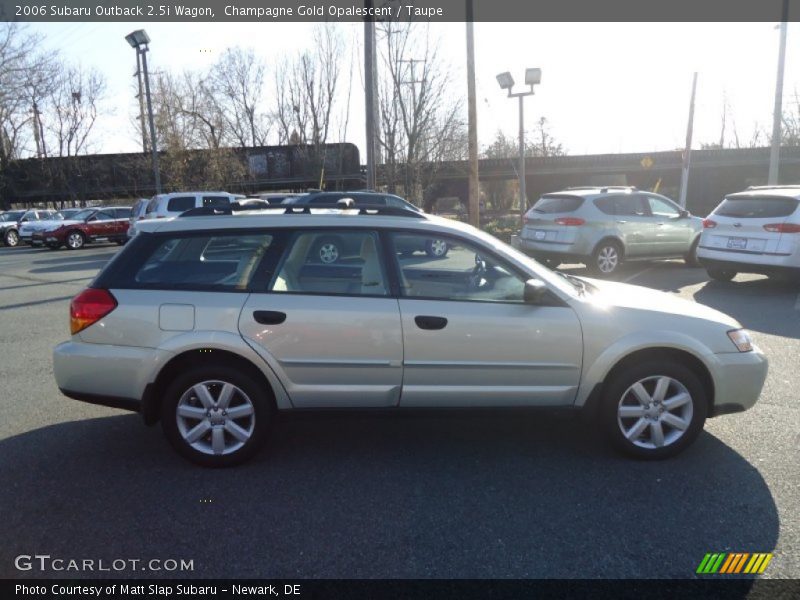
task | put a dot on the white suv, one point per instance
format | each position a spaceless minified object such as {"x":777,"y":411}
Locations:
{"x":212,"y":323}
{"x":755,"y":231}
{"x":162,"y":206}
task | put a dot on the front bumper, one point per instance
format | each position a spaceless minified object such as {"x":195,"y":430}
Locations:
{"x":738,"y":380}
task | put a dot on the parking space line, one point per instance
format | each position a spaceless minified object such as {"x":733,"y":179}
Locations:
{"x":635,"y":275}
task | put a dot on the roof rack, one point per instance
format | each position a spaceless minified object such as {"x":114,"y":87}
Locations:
{"x":792,"y":186}
{"x":633,"y":188}
{"x":291,"y":209}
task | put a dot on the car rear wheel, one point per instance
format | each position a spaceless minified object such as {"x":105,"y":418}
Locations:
{"x":721,"y":274}
{"x":606,"y":258}
{"x":215,"y":416}
{"x":654,"y":410}
{"x":75,"y":240}
{"x":691,"y":257}
{"x":436,"y":248}
{"x":11,"y":238}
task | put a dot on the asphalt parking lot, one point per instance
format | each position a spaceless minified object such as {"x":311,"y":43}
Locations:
{"x":436,"y":496}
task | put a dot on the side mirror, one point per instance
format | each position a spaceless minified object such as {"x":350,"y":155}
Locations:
{"x":685,"y":214}
{"x":535,"y":291}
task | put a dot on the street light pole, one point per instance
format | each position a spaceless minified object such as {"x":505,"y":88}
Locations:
{"x":506,"y":82}
{"x":777,"y":115}
{"x":139,"y":40}
{"x":523,"y":197}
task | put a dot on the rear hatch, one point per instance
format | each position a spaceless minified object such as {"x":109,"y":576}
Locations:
{"x":553,"y":219}
{"x":751,"y":223}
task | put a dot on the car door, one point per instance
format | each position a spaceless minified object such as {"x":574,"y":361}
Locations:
{"x":673,"y":234}
{"x":100,"y":225}
{"x":634,"y":224}
{"x":330,"y":331}
{"x":470,"y":340}
{"x":122,"y":218}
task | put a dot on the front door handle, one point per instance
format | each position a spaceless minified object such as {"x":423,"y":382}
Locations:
{"x":425,"y":322}
{"x":269,"y":317}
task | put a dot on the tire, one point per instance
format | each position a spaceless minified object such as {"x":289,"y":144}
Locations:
{"x":436,"y":248}
{"x":691,"y":257}
{"x":11,"y":238}
{"x":606,"y":258}
{"x":75,"y":240}
{"x":721,"y":274}
{"x":239,"y":439}
{"x":328,"y":250}
{"x":632,"y":422}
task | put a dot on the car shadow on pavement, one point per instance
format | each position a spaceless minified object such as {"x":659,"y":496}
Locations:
{"x":765,"y":305}
{"x":456,"y":495}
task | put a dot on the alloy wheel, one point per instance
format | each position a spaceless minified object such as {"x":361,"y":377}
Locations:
{"x":75,"y":240}
{"x":655,"y":412}
{"x":607,"y":259}
{"x":438,"y":247}
{"x":328,"y":253}
{"x":12,"y":238}
{"x":215,"y":417}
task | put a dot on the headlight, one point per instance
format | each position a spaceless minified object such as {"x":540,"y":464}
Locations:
{"x":741,"y":339}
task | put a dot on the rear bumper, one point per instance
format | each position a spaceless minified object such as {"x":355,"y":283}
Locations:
{"x":738,"y":380}
{"x":105,"y":374}
{"x":562,"y":251}
{"x":743,"y":266}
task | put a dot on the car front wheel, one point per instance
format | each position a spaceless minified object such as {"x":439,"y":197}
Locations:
{"x":75,"y":240}
{"x":654,"y":410}
{"x":215,"y":416}
{"x":436,"y":248}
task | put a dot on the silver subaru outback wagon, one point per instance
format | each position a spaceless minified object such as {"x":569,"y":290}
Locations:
{"x":211,"y":324}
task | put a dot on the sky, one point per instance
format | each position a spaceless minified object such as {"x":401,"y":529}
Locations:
{"x":606,"y":87}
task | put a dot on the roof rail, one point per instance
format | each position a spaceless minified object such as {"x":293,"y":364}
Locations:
{"x":603,"y":187}
{"x":294,"y":209}
{"x":792,"y":186}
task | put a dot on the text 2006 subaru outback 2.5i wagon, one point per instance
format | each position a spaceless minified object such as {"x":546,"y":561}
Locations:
{"x":212,"y":323}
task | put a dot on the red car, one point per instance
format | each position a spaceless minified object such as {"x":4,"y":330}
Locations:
{"x":105,"y":224}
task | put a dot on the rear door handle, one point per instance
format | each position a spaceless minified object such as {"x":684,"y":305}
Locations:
{"x":425,"y":322}
{"x":269,"y":317}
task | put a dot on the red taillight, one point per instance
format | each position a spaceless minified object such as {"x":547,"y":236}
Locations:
{"x":783,"y":227}
{"x":88,"y":307}
{"x":570,"y":221}
{"x":709,"y":224}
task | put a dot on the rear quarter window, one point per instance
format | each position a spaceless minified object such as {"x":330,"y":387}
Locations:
{"x":756,"y":207}
{"x":557,"y":204}
{"x":207,"y":262}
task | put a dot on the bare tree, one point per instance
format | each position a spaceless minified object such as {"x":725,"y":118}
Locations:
{"x":421,"y":119}
{"x":236,"y":88}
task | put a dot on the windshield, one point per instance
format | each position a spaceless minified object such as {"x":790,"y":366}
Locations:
{"x":12,"y":216}
{"x":535,"y":269}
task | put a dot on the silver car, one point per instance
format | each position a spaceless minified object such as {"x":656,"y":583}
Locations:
{"x":604,"y":227}
{"x":210,"y":324}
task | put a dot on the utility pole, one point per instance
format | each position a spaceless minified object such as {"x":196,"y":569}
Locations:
{"x":777,"y":115}
{"x":153,"y":144}
{"x":687,"y":152}
{"x":370,"y":106}
{"x":472,"y":124}
{"x":37,"y":131}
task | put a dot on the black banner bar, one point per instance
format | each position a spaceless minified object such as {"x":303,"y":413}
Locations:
{"x":433,"y":10}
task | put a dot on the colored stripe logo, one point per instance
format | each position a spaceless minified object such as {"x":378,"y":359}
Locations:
{"x":730,"y":563}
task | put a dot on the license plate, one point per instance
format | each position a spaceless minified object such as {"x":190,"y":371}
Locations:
{"x":738,"y":243}
{"x":539,"y":235}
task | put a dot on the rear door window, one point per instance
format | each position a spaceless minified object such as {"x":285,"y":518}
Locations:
{"x":756,"y":207}
{"x":557,"y":204}
{"x":180,"y":203}
{"x":631,"y":205}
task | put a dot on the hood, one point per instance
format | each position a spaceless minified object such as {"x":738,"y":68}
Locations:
{"x":625,"y":295}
